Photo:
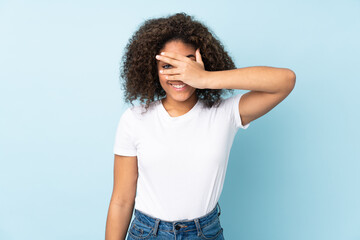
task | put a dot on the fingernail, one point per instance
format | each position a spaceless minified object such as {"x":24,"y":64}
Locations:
{"x":157,"y":56}
{"x":162,"y":53}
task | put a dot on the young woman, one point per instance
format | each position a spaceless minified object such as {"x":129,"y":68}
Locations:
{"x":171,"y":153}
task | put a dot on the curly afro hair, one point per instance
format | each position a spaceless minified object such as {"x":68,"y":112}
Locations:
{"x":139,"y":68}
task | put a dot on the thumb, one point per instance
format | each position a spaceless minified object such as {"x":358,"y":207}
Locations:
{"x":198,"y":56}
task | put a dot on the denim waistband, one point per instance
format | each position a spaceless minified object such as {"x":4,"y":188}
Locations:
{"x":178,"y":226}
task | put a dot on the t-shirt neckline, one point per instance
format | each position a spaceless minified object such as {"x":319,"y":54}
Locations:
{"x":181,"y":117}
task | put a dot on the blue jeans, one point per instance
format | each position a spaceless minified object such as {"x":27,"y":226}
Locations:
{"x":206,"y":227}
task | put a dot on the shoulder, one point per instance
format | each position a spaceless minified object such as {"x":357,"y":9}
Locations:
{"x":227,"y":103}
{"x":231,"y":99}
{"x":139,"y":111}
{"x":231,"y":103}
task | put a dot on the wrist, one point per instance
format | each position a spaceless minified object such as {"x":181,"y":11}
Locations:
{"x":210,"y":80}
{"x":207,"y":80}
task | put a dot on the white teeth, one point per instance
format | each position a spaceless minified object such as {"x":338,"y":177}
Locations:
{"x":179,"y":86}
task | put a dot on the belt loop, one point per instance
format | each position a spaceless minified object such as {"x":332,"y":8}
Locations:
{"x":219,"y":208}
{"x":198,"y":228}
{"x":156,"y":226}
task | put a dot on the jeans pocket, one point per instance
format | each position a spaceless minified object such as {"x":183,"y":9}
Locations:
{"x":140,"y":230}
{"x":211,"y":230}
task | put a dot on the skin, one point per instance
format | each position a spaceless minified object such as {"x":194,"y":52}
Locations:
{"x":122,"y":201}
{"x":177,"y":103}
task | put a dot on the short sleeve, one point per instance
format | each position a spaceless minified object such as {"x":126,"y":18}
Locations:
{"x":124,"y":138}
{"x":232,"y":106}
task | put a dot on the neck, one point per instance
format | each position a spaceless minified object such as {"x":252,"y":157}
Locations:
{"x":179,"y":106}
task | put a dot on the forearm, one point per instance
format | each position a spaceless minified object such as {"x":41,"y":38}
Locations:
{"x":118,"y":220}
{"x":258,"y":78}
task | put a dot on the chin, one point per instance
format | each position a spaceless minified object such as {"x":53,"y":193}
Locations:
{"x":181,"y":97}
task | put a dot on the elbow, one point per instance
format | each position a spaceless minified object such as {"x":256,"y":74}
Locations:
{"x":290,"y":80}
{"x":123,"y":203}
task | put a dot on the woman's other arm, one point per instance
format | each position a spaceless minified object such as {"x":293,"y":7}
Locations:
{"x":123,"y":197}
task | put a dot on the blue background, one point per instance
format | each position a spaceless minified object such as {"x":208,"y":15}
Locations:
{"x":293,"y":174}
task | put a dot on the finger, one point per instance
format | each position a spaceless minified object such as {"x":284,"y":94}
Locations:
{"x":173,"y":77}
{"x":198,"y":56}
{"x":170,"y":71}
{"x":171,"y":61}
{"x":175,"y":56}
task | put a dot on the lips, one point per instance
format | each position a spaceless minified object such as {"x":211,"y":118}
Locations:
{"x":176,"y":83}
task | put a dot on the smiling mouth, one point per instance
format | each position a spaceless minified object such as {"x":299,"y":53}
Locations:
{"x":178,"y":86}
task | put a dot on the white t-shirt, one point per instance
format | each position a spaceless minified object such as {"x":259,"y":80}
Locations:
{"x":181,"y":160}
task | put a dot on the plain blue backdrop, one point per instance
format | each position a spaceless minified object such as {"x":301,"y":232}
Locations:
{"x":293,"y":174}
